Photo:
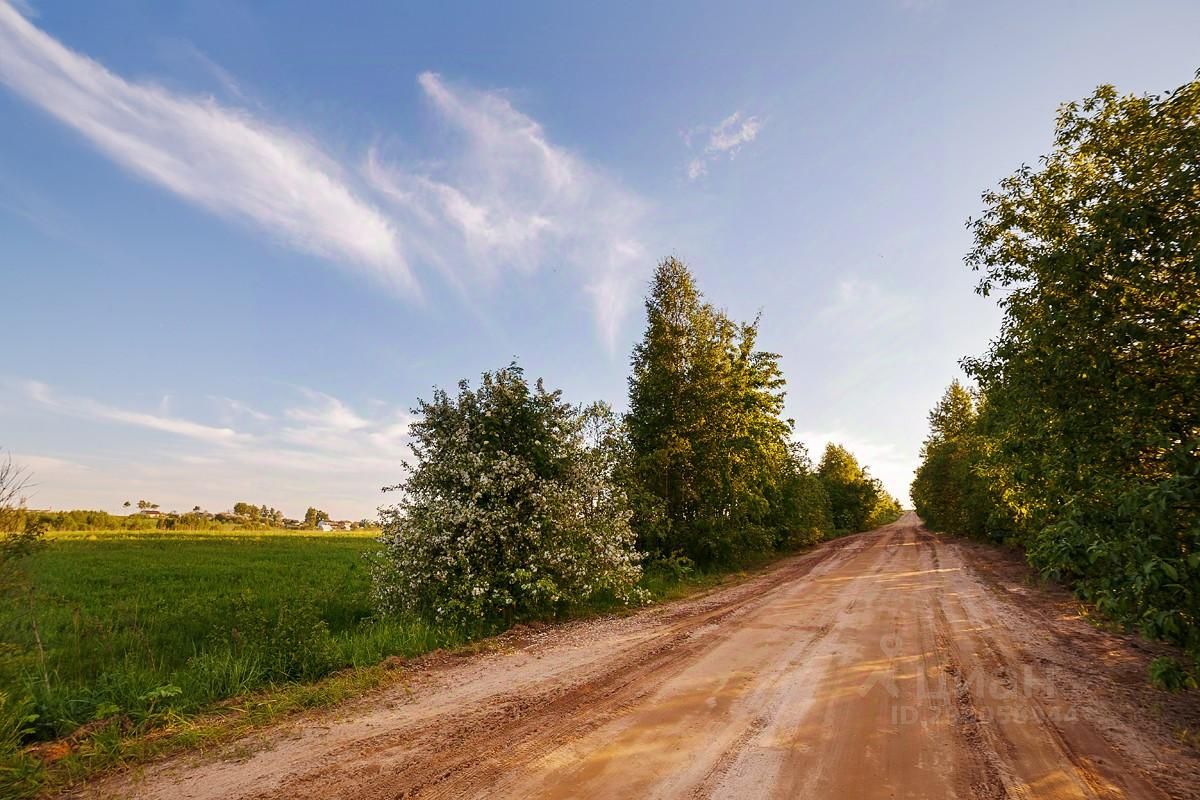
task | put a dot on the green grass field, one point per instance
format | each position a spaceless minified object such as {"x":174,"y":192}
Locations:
{"x":134,"y":624}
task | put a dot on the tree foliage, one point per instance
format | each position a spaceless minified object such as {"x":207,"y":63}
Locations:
{"x":1087,"y":434}
{"x":713,"y":472}
{"x":801,"y":513}
{"x":313,"y":517}
{"x":511,"y":510}
{"x":857,"y":501}
{"x":272,"y":517}
{"x":950,"y":490}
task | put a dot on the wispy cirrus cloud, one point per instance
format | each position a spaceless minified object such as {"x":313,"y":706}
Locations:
{"x":87,"y":408}
{"x":216,"y":157}
{"x":503,"y":197}
{"x":232,"y":409}
{"x":320,"y":418}
{"x":508,"y":198}
{"x":726,"y":138}
{"x":25,"y":7}
{"x":305,"y":453}
{"x":326,"y":411}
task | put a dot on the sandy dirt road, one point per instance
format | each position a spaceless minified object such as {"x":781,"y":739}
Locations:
{"x":888,"y":664}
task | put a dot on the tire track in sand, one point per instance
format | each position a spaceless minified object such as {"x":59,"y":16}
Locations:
{"x":875,"y":666}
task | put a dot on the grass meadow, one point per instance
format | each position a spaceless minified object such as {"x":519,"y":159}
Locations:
{"x":124,"y":630}
{"x":131,"y":624}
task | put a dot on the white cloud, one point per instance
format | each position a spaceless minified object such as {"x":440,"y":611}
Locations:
{"x":36,"y":464}
{"x":25,"y":7}
{"x":232,"y":409}
{"x":216,"y":157}
{"x":393,"y":437}
{"x":35,"y":468}
{"x":188,"y":52}
{"x":305,"y":454}
{"x":330,"y":428}
{"x":508,"y":198}
{"x":725,"y":138}
{"x":90,"y":409}
{"x":733,"y":132}
{"x":326,"y":413}
{"x":501,"y":197}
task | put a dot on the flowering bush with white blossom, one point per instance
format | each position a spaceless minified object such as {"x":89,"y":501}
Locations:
{"x":511,"y":510}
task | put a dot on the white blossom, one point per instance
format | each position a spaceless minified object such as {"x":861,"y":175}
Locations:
{"x":485,"y":533}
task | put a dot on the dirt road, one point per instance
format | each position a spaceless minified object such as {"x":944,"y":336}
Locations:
{"x":888,"y":664}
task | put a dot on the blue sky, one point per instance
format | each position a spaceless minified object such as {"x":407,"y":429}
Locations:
{"x":239,"y":240}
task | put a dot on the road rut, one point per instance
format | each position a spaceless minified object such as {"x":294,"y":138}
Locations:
{"x":893,"y":663}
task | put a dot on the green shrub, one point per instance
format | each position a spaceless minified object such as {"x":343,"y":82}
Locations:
{"x":1166,"y":673}
{"x":511,"y":511}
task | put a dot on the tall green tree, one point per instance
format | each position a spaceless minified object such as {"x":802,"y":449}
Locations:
{"x":948,"y":489}
{"x":801,"y":513}
{"x":858,"y":501}
{"x":1090,"y":390}
{"x":707,"y":440}
{"x":669,"y":392}
{"x":314,"y":517}
{"x":249,"y":511}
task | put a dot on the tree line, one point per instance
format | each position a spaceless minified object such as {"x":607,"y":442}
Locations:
{"x":243,"y":516}
{"x":521,"y":505}
{"x":1080,"y":440}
